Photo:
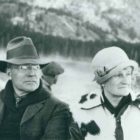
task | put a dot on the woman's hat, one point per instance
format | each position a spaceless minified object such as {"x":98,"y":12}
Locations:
{"x":21,"y":50}
{"x":109,"y":61}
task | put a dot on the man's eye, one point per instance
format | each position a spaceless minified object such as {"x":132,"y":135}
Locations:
{"x":37,"y":67}
{"x":23,"y":67}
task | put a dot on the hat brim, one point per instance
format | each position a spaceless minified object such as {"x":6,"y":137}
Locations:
{"x":114,"y":71}
{"x":3,"y":63}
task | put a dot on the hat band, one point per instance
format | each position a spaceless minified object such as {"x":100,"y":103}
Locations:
{"x":113,"y":72}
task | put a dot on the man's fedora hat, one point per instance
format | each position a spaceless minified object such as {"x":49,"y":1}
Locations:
{"x":21,"y":50}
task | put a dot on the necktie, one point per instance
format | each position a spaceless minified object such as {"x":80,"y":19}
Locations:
{"x":18,"y":99}
{"x":119,"y":131}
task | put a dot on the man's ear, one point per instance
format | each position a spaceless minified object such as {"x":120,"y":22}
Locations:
{"x":8,"y":71}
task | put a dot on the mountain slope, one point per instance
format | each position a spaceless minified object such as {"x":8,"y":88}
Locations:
{"x":107,"y":20}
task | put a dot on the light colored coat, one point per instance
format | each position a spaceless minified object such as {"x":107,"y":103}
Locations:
{"x":92,"y":109}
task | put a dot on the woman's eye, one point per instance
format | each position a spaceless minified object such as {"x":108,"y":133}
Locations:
{"x":128,"y":74}
{"x":118,"y":75}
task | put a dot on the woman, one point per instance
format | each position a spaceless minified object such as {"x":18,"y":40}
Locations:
{"x":112,"y":114}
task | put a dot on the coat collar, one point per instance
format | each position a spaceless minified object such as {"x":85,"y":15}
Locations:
{"x":31,"y":98}
{"x":31,"y":109}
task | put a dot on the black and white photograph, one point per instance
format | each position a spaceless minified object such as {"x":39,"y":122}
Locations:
{"x":69,"y":69}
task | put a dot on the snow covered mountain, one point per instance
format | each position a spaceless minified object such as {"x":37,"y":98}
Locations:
{"x":107,"y":20}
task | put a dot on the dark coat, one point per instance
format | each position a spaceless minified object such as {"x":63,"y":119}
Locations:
{"x":45,"y":120}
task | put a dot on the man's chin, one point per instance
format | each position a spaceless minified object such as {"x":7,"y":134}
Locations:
{"x":31,"y":87}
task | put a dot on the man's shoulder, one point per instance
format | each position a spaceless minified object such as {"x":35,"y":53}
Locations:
{"x":57,"y":107}
{"x":51,"y":99}
{"x":55,"y":104}
{"x":57,"y":101}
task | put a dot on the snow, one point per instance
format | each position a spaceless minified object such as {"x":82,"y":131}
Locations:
{"x":74,"y":82}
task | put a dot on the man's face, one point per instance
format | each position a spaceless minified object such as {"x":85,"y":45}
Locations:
{"x":25,"y":78}
{"x":119,"y":85}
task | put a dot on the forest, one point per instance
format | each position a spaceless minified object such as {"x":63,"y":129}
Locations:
{"x":48,"y":44}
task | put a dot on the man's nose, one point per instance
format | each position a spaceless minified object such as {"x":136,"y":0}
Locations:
{"x":31,"y":72}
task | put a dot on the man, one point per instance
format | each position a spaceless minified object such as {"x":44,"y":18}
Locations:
{"x":27,"y":111}
{"x":114,"y":113}
{"x":51,"y":71}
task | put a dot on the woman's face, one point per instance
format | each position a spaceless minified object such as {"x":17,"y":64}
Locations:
{"x":119,"y":85}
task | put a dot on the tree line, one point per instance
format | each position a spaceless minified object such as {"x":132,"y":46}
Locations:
{"x":48,"y":44}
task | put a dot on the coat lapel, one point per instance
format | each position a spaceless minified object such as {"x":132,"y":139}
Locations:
{"x":31,"y":111}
